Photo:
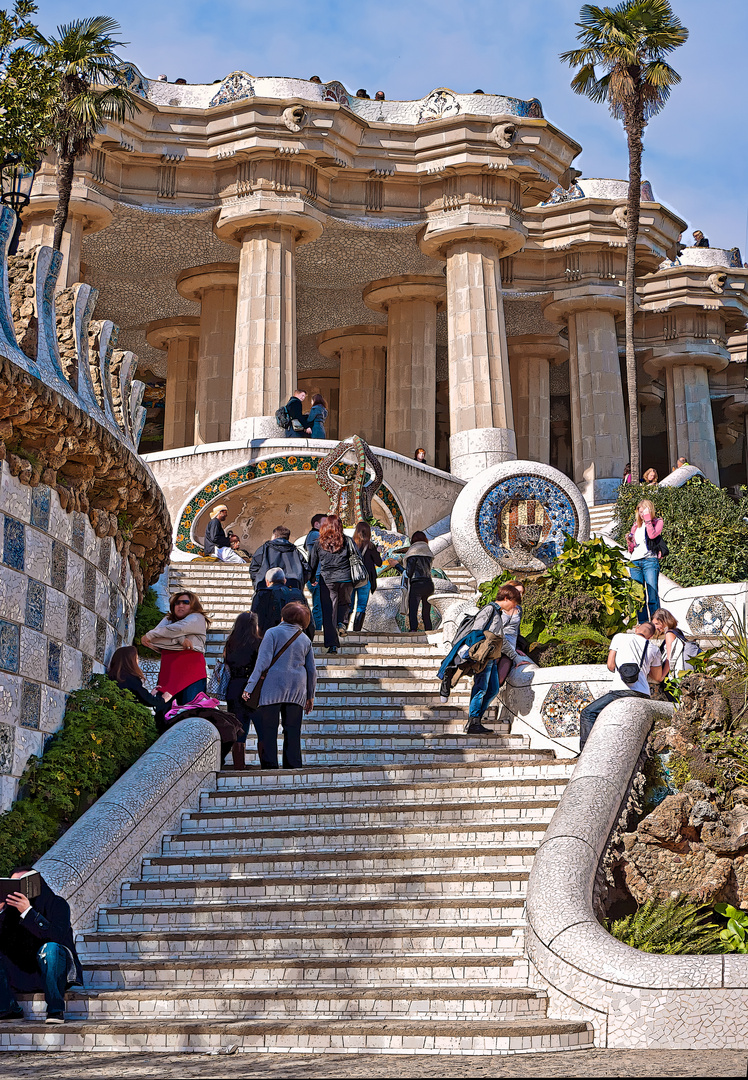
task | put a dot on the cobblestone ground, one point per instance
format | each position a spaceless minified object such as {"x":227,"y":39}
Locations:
{"x":658,"y":1063}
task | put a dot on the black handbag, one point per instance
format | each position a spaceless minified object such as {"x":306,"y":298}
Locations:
{"x":630,"y":672}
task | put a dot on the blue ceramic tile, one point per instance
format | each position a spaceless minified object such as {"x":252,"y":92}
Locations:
{"x":59,"y":565}
{"x":86,"y":670}
{"x":14,"y":543}
{"x":54,"y":659}
{"x":100,"y":640}
{"x":89,"y":587}
{"x":79,"y":533}
{"x":40,"y":504}
{"x":31,"y":703}
{"x":10,"y":645}
{"x":104,"y":548}
{"x":73,"y":636}
{"x":36,"y":603}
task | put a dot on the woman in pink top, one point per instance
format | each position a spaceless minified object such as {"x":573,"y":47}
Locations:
{"x":643,"y":543}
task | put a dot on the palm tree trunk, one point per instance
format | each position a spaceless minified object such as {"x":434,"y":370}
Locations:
{"x":65,"y":170}
{"x":634,"y":133}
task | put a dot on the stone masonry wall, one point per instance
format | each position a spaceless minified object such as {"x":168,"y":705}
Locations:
{"x":67,"y":600}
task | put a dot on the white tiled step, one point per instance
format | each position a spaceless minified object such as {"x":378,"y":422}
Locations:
{"x":336,"y":1036}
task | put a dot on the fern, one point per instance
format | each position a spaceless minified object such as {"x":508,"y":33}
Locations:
{"x":672,"y":927}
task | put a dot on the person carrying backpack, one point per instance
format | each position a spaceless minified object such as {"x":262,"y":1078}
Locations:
{"x":291,"y":418}
{"x":676,"y":648}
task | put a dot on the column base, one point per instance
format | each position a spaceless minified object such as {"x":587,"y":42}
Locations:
{"x":603,"y":489}
{"x":473,"y":451}
{"x":256,"y":427}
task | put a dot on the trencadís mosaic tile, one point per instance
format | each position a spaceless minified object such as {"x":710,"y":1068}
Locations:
{"x":40,"y":506}
{"x":31,"y":704}
{"x":36,"y":604}
{"x":14,"y":543}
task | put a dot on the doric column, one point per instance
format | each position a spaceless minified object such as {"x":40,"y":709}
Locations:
{"x":89,"y":212}
{"x":530,"y":357}
{"x":481,"y":420}
{"x":214,"y":286}
{"x":268,"y":231}
{"x":598,"y":417}
{"x":690,"y":425}
{"x":362,"y":351}
{"x":180,"y":338}
{"x":411,"y":302}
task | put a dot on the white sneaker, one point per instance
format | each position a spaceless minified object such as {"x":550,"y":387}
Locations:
{"x":443,"y":699}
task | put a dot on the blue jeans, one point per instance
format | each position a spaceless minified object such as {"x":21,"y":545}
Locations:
{"x":184,"y":697}
{"x":362,"y":593}
{"x":53,"y":963}
{"x":647,"y":572}
{"x":316,"y":605}
{"x":485,"y":689}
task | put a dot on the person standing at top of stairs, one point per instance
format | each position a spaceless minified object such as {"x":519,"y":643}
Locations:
{"x":279,"y":551}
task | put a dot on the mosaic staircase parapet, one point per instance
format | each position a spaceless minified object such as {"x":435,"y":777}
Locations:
{"x":9,"y":345}
{"x":46,"y":271}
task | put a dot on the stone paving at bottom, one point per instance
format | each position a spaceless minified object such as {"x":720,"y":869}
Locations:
{"x":72,"y":1066}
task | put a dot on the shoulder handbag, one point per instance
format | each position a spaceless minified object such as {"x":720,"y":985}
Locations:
{"x":218,"y":683}
{"x":630,"y":672}
{"x":254,"y":698}
{"x":359,"y":573}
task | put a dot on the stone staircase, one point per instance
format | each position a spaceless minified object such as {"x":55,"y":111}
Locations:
{"x":369,"y":902}
{"x":600,"y":517}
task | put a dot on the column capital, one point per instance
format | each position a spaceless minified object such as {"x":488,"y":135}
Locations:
{"x":90,"y":206}
{"x":551,"y":347}
{"x":331,"y":342}
{"x":193,"y":281}
{"x":378,"y":295}
{"x":498,"y":227}
{"x":685,"y":353}
{"x":263,"y":211}
{"x":563,"y":303}
{"x":159,"y":333}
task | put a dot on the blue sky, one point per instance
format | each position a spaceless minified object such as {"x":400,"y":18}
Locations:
{"x":696,"y":151}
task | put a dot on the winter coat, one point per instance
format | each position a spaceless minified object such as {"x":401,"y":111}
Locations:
{"x":48,"y":920}
{"x":317,"y":416}
{"x":293,"y":677}
{"x":371,"y":560}
{"x":333,"y":566}
{"x":171,"y":635}
{"x":279,"y":553}
{"x":267,"y":605}
{"x":215,"y":537}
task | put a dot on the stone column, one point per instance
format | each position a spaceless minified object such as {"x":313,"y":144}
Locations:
{"x":214,"y":285}
{"x":362,"y":351}
{"x":480,"y":393}
{"x":690,"y":423}
{"x":89,"y":212}
{"x":180,"y":337}
{"x":598,"y":417}
{"x":411,"y":303}
{"x":529,"y":362}
{"x":268,"y":230}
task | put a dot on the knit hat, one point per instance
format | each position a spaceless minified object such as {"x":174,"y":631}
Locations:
{"x":217,"y":510}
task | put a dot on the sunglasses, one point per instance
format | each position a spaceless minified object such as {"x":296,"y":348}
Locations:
{"x":178,"y":602}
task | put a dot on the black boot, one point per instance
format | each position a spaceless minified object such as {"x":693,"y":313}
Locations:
{"x":358,"y":621}
{"x":475,"y":727}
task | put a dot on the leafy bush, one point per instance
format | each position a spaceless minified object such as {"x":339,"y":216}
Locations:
{"x":673,"y":927}
{"x":736,"y":932}
{"x":147,"y":615}
{"x":603,"y":571}
{"x":705,"y":530}
{"x":104,"y":732}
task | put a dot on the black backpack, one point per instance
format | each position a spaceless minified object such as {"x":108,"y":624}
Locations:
{"x":282,"y":418}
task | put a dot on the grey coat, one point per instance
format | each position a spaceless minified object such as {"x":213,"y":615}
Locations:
{"x":292,"y":678}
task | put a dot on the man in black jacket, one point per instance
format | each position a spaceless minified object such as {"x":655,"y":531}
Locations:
{"x":216,"y":541}
{"x":299,"y":419}
{"x":268,"y":603}
{"x":279,"y":551}
{"x":37,"y":951}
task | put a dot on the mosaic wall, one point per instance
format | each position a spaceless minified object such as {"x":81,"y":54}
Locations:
{"x":562,"y":706}
{"x":257,"y":471}
{"x":67,"y":600}
{"x":708,"y":615}
{"x":524,"y":500}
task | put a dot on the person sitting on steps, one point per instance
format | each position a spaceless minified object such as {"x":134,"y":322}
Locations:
{"x":216,"y":541}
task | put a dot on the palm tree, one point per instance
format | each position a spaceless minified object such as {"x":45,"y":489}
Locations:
{"x":621,"y":62}
{"x":89,"y":91}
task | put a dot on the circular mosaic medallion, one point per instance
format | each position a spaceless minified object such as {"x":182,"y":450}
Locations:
{"x":708,"y":615}
{"x":522,"y":501}
{"x":562,"y":706}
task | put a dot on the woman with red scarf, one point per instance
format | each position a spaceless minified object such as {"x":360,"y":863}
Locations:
{"x":180,"y":638}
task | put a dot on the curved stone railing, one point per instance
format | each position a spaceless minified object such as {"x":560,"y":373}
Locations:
{"x":634,"y":999}
{"x":106,"y":846}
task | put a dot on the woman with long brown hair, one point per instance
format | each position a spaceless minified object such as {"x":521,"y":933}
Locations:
{"x":240,"y":654}
{"x":180,"y":638}
{"x":330,"y":564}
{"x":317,"y":416}
{"x":418,"y":559}
{"x":125,"y":670}
{"x":371,"y":560}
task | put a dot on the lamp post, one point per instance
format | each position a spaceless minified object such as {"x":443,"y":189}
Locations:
{"x":16,"y":181}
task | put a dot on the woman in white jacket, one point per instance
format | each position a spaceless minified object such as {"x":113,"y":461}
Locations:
{"x":180,"y":638}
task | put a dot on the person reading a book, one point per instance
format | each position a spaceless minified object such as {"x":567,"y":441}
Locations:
{"x":37,"y":950}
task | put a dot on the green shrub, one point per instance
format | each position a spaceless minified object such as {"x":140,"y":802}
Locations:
{"x":705,"y":530}
{"x":147,"y":615}
{"x":602,"y":570}
{"x":672,"y":927}
{"x":104,"y":732}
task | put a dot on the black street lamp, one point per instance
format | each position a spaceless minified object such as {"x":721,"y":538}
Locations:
{"x":16,"y":181}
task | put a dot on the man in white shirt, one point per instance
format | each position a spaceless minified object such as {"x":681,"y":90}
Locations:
{"x":639,"y":650}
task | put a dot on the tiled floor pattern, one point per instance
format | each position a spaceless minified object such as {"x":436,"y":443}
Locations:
{"x":370,"y":903}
